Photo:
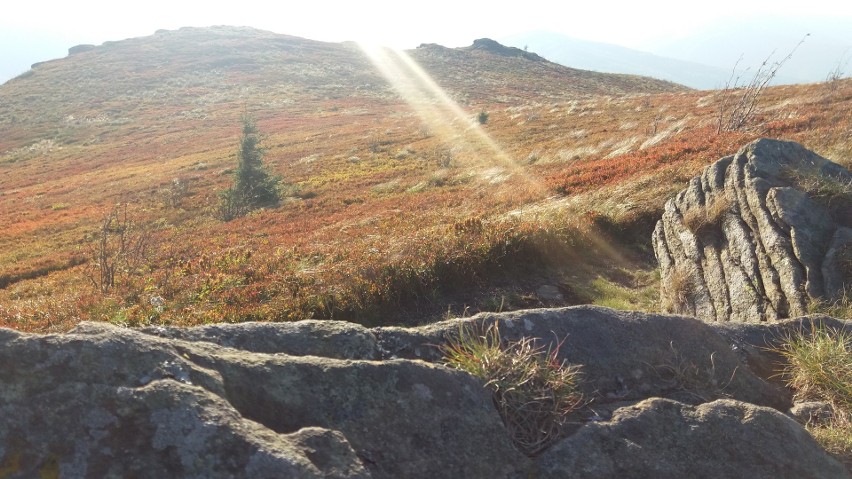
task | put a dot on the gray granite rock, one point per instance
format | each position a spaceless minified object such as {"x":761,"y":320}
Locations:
{"x":754,"y":238}
{"x":235,"y":401}
{"x":661,"y":438}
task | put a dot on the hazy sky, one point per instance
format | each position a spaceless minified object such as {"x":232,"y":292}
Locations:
{"x":37,"y":30}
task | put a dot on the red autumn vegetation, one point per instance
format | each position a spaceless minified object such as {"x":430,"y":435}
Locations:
{"x":384,"y":219}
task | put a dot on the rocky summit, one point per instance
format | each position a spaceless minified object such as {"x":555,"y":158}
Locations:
{"x":665,"y":396}
{"x":757,"y":236}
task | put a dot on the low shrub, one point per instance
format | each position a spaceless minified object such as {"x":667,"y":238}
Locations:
{"x":691,"y":147}
{"x":692,"y":380}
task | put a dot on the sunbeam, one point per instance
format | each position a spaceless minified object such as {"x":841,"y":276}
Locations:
{"x":450,"y":122}
{"x":441,"y":114}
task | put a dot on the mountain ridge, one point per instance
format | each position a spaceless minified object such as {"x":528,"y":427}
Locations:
{"x":201,"y":55}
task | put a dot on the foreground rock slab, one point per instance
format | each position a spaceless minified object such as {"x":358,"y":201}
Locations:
{"x":332,"y":399}
{"x":757,"y":236}
{"x":125,"y":404}
{"x":665,"y":439}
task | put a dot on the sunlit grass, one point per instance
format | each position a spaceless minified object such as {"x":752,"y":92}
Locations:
{"x":642,"y":295}
{"x":440,"y":113}
{"x":836,"y":438}
{"x":838,"y":308}
{"x":818,"y":367}
{"x":533,"y":391}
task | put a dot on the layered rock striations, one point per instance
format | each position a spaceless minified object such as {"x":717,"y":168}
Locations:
{"x":757,"y":236}
{"x":667,"y":396}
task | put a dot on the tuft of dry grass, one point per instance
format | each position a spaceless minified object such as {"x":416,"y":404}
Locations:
{"x":708,"y":218}
{"x":831,"y":191}
{"x":834,"y":192}
{"x":680,"y":289}
{"x":696,"y":380}
{"x":533,"y":391}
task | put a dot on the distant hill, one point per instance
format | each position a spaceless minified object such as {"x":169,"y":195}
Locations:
{"x":720,"y":44}
{"x":486,"y":63}
{"x":604,"y":57}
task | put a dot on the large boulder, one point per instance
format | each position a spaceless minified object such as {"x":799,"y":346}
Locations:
{"x":661,"y":438}
{"x":757,"y":236}
{"x":300,"y":400}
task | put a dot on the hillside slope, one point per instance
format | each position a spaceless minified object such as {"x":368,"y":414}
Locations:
{"x":195,"y":70}
{"x":399,"y":205}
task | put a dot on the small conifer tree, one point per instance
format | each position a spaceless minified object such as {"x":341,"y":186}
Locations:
{"x":253,"y":186}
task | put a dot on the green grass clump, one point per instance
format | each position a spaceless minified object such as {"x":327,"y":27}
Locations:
{"x":836,"y":438}
{"x":533,"y":391}
{"x":642,"y":295}
{"x":840,"y":308}
{"x":827,"y":190}
{"x":819,"y":368}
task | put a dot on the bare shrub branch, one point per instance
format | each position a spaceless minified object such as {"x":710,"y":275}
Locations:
{"x":119,"y":248}
{"x":739,"y":102}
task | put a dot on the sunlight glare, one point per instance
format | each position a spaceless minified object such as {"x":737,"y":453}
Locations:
{"x":445,"y":118}
{"x":440,"y":113}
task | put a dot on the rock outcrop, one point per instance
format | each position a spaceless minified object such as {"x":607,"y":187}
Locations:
{"x":669,"y":397}
{"x":80,"y":49}
{"x":493,"y":47}
{"x":757,"y":236}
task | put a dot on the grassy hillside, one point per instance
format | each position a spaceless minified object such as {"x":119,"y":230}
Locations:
{"x":399,"y":206}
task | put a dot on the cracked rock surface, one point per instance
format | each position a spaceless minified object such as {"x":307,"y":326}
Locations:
{"x":669,"y":397}
{"x":757,"y":235}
